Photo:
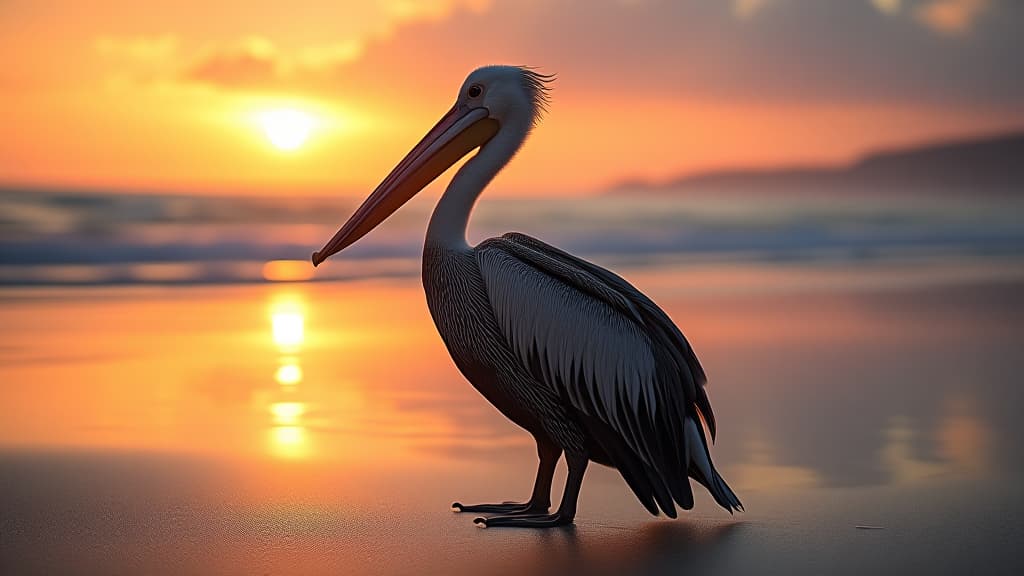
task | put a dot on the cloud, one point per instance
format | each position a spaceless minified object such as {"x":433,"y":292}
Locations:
{"x":812,"y":51}
{"x":952,"y":17}
{"x":257,"y":64}
{"x":254,"y":62}
{"x":818,"y":52}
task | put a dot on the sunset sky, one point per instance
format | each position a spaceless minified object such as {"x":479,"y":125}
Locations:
{"x":319,"y":96}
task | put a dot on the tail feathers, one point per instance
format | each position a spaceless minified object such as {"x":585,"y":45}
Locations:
{"x":704,"y":472}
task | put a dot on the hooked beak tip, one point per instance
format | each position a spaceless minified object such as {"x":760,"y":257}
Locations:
{"x":316,"y":259}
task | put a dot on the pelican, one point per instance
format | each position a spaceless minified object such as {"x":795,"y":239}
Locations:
{"x":569,"y":351}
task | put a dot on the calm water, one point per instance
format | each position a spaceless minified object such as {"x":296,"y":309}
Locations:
{"x":321,"y":428}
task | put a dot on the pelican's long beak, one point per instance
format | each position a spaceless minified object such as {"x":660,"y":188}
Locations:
{"x":459,"y":132}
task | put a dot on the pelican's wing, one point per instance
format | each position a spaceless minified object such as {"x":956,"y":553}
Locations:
{"x":665,"y":331}
{"x":608,"y":351}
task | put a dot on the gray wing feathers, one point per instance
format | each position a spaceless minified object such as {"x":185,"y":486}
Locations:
{"x":608,"y":350}
{"x":661,"y":327}
{"x":546,"y":319}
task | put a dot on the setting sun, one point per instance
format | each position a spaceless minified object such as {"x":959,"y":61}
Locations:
{"x":286,"y":128}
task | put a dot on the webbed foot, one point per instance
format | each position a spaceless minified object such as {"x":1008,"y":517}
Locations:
{"x":524,"y":521}
{"x":503,"y":508}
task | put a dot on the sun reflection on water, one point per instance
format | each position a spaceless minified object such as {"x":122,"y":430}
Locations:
{"x":287,"y":412}
{"x":289,"y":372}
{"x":289,"y":442}
{"x":959,"y":437}
{"x":288,"y":329}
{"x":963,"y":438}
{"x":288,"y":436}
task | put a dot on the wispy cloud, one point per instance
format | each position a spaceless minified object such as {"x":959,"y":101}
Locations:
{"x":253,"y":62}
{"x":258,"y":62}
{"x":814,"y":50}
{"x":694,"y":48}
{"x":694,"y":81}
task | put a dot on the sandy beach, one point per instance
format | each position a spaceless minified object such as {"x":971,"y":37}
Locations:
{"x":321,"y":428}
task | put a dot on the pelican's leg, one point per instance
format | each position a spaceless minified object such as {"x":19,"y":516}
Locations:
{"x":566,"y":510}
{"x":540,"y":501}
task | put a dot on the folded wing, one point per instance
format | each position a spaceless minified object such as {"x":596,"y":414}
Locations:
{"x":615,"y":358}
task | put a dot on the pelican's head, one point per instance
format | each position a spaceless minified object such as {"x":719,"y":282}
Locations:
{"x":512,"y":95}
{"x":491,"y":99}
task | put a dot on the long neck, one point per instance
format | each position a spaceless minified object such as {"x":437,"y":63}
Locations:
{"x":450,"y":219}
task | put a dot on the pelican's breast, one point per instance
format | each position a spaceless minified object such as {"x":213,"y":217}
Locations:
{"x":458,"y":302}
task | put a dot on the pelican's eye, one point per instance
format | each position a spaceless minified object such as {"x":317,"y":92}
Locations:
{"x":474,"y":91}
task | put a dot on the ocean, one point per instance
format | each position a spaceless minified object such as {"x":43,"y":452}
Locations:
{"x":73,"y":238}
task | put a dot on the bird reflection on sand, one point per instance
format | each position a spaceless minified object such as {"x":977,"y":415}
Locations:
{"x":655,"y":548}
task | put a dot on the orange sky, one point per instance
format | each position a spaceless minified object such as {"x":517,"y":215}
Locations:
{"x":168,"y":95}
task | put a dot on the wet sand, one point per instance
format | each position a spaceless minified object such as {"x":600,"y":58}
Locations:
{"x":321,"y":429}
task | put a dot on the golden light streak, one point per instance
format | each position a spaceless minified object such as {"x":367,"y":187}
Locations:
{"x":287,"y":413}
{"x":287,"y":270}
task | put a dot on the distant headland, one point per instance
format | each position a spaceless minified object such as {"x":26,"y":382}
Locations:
{"x":993,"y":164}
